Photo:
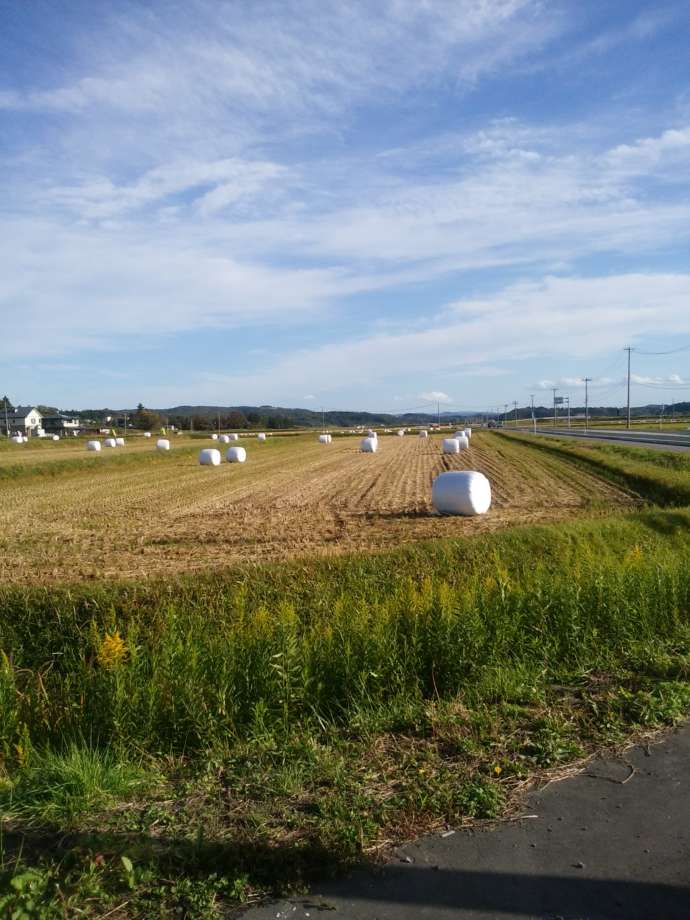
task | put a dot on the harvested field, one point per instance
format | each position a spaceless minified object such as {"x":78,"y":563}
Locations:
{"x":138,"y":513}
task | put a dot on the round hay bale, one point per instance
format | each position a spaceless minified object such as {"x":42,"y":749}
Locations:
{"x":214,"y":437}
{"x":465,"y":492}
{"x":147,"y":434}
{"x":401,"y":432}
{"x":371,"y":434}
{"x":224,"y":438}
{"x":369,"y":445}
{"x":423,"y":434}
{"x":56,"y":437}
{"x":162,"y":444}
{"x":468,"y":432}
{"x":323,"y":439}
{"x":261,"y":436}
{"x":120,"y":442}
{"x":236,"y":455}
{"x":209,"y":456}
{"x":463,"y":442}
{"x":93,"y":445}
{"x":451,"y":446}
{"x":110,"y":442}
{"x":459,"y":434}
{"x":234,"y":437}
{"x":17,"y":439}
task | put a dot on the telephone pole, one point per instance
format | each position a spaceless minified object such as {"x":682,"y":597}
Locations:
{"x":568,"y":399}
{"x":628,"y":349}
{"x":515,"y":408}
{"x":534,"y":420}
{"x":588,"y":380}
{"x":555,"y":390}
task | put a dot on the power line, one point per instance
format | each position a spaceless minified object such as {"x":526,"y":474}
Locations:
{"x":673,"y":351}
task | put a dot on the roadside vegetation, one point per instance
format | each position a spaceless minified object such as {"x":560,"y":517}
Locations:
{"x":661,"y":477}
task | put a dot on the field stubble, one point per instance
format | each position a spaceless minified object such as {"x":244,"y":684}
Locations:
{"x":293,"y":498}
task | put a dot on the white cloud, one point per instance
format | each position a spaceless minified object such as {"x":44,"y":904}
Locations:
{"x":577,"y":318}
{"x":435,"y":396}
{"x":663,"y":380}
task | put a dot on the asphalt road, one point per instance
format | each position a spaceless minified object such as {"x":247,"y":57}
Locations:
{"x":652,"y":440}
{"x":612,"y":842}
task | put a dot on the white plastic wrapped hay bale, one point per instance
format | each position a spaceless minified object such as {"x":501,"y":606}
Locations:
{"x":463,"y":441}
{"x":261,"y":436}
{"x":401,"y":432}
{"x":147,"y":434}
{"x":56,"y":437}
{"x":234,"y":437}
{"x":236,"y":455}
{"x":324,"y":439}
{"x":162,"y":444}
{"x":209,"y":456}
{"x":451,"y":446}
{"x":214,"y":437}
{"x":423,"y":433}
{"x":93,"y":445}
{"x":224,"y":439}
{"x":369,"y":445}
{"x":468,"y":433}
{"x":110,"y":442}
{"x":459,"y":434}
{"x":371,"y":434}
{"x":17,"y":439}
{"x":120,"y":442}
{"x":465,"y":492}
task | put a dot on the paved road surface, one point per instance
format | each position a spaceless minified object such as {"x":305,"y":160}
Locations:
{"x":650,"y":439}
{"x":599,"y":848}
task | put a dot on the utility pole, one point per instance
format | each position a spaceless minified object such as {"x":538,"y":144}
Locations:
{"x":568,"y":398}
{"x":628,"y":349}
{"x":505,"y":415}
{"x":323,"y":419}
{"x":534,"y":420}
{"x":515,"y":407}
{"x":588,"y":380}
{"x":555,"y":390}
{"x":7,"y":421}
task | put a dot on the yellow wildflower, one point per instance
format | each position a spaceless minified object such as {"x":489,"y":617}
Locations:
{"x":633,"y":556}
{"x":497,"y":770}
{"x":112,"y":650}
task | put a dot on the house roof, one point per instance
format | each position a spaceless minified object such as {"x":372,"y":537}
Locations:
{"x":22,"y":412}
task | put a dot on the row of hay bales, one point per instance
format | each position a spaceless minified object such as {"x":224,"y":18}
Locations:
{"x":22,"y":438}
{"x":210,"y":456}
{"x":459,"y":441}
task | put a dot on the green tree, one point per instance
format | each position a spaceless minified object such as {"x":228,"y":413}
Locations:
{"x":146,"y":419}
{"x":6,"y":404}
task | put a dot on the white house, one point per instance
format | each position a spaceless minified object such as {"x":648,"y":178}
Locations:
{"x":25,"y":419}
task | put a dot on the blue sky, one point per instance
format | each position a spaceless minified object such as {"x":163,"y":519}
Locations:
{"x":352,"y":204}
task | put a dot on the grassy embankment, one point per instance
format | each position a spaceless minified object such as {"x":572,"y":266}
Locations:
{"x":205,"y":739}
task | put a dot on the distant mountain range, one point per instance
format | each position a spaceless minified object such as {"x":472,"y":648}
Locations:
{"x":282,"y":417}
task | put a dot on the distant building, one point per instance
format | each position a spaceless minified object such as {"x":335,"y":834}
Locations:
{"x":61,"y":423}
{"x":25,"y":419}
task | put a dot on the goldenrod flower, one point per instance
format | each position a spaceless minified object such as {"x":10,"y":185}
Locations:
{"x":112,"y":650}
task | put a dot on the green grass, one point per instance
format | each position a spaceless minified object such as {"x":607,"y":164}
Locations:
{"x":662,"y":477}
{"x":284,"y":720}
